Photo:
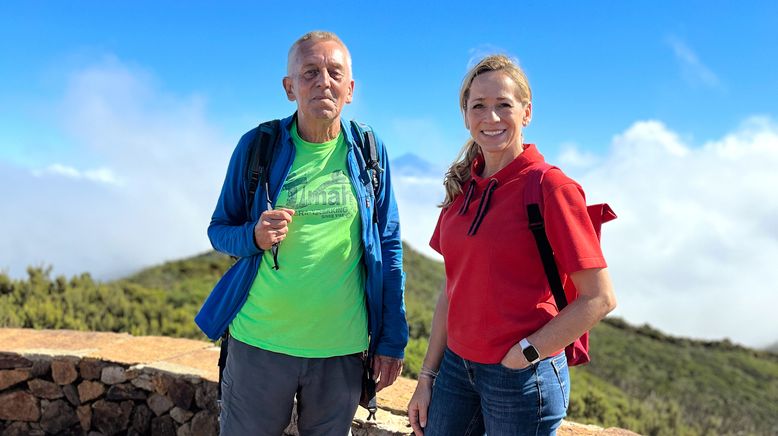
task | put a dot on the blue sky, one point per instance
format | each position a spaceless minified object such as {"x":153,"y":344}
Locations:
{"x":700,"y":66}
{"x":117,"y":120}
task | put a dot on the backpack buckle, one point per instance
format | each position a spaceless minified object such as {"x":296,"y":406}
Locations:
{"x":373,"y":165}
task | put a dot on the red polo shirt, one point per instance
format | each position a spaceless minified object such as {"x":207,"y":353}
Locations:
{"x":497,"y":290}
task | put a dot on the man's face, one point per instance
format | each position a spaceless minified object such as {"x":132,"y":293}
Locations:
{"x":319,"y":80}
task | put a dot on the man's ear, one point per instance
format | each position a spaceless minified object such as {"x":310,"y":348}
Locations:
{"x":350,"y":95}
{"x":287,"y":83}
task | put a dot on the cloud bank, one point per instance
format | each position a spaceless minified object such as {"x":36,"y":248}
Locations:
{"x":697,"y":233}
{"x":158,"y":166}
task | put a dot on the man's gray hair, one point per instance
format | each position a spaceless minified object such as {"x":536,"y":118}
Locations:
{"x":315,"y":36}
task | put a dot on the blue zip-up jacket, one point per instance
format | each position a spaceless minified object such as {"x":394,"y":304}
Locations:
{"x":230,"y":233}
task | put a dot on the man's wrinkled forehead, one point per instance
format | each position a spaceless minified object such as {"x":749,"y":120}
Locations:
{"x":304,"y":53}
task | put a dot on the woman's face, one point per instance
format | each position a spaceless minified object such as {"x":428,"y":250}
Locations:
{"x":494,"y":113}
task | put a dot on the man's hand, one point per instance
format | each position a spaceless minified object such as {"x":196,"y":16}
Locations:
{"x":272,"y":227}
{"x":385,"y":370}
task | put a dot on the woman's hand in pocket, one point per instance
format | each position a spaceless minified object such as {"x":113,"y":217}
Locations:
{"x":514,"y":358}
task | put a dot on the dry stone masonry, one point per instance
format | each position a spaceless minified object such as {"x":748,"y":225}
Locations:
{"x":68,"y":395}
{"x":61,"y":382}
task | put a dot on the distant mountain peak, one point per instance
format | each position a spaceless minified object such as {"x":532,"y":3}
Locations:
{"x":410,"y":164}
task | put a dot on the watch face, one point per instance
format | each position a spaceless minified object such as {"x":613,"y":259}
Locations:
{"x":530,"y":353}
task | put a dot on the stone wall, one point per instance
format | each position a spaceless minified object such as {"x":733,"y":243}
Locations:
{"x":41,"y":394}
{"x":64,"y":382}
{"x":96,"y":383}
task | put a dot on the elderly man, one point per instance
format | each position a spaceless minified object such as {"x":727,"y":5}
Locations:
{"x":319,"y":284}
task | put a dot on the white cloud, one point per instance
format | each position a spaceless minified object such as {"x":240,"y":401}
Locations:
{"x":417,"y":199}
{"x":696,"y":240}
{"x":696,"y":234}
{"x":572,"y":156}
{"x":100,"y":175}
{"x":693,"y":70}
{"x":155,"y":169}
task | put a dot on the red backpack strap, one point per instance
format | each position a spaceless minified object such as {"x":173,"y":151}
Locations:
{"x":533,"y":191}
{"x":533,"y":202}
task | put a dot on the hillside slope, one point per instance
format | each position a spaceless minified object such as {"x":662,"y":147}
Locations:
{"x":639,"y":378}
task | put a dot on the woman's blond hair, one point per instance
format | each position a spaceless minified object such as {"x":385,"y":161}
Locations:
{"x":459,"y":171}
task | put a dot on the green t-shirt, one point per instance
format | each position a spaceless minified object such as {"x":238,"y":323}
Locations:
{"x":314,"y":305}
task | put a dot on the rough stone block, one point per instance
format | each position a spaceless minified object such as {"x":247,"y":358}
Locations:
{"x":10,"y":377}
{"x":13,"y":360}
{"x":111,"y":418}
{"x":141,"y":419}
{"x":89,"y":390}
{"x":143,"y":381}
{"x":181,"y":415}
{"x":204,"y":424}
{"x":45,"y":389}
{"x":132,"y":373}
{"x":91,"y":369}
{"x":71,"y":394}
{"x":41,"y":366}
{"x":181,"y":392}
{"x":159,"y":404}
{"x":163,"y":426}
{"x":36,"y":430}
{"x":184,"y":430}
{"x":206,"y":396}
{"x":63,"y":371}
{"x":17,"y":428}
{"x":57,"y":416}
{"x":19,"y":406}
{"x":161,"y":382}
{"x":113,"y":375}
{"x":84,"y":414}
{"x":125,"y":391}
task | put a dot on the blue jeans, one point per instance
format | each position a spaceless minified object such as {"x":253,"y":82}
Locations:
{"x":469,"y":398}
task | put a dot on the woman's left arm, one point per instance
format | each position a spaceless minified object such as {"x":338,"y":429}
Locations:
{"x":595,"y":300}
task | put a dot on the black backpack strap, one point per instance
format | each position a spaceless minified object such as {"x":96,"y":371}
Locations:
{"x":538,"y":228}
{"x":367,"y":146}
{"x":533,"y":198}
{"x":223,"y":359}
{"x":260,"y":155}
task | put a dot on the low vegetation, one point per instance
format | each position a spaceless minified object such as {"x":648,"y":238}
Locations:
{"x":639,"y":378}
